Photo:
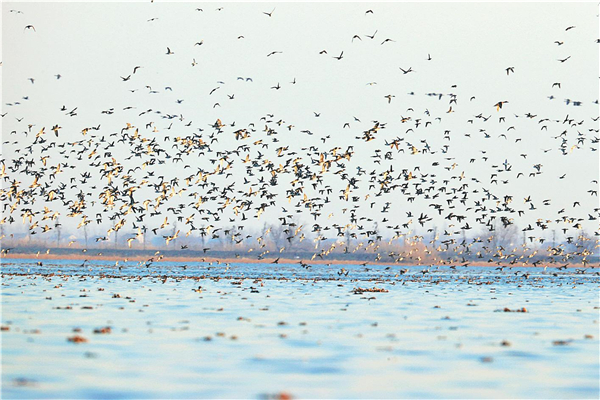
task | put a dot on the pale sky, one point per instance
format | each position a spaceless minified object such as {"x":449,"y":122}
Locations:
{"x":93,"y":46}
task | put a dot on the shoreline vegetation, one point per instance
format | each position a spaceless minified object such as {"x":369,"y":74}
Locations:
{"x":230,"y":257}
{"x":506,"y":246}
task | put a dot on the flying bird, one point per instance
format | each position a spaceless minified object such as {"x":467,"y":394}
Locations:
{"x":371,"y":36}
{"x":499,"y":105}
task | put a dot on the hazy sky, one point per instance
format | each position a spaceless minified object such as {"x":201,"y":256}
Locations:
{"x":460,"y":50}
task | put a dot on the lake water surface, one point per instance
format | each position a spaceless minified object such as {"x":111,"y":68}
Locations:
{"x":200,"y":330}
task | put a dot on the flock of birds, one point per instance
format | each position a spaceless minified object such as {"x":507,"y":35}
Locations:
{"x":164,"y":175}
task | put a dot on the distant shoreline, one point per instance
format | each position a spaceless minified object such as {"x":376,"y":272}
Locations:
{"x":246,"y":260}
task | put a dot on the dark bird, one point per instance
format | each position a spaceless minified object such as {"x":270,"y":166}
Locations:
{"x":373,"y":36}
{"x":499,"y":104}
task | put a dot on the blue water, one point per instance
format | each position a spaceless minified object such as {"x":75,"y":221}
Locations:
{"x":263,"y":330}
{"x":289,"y":270}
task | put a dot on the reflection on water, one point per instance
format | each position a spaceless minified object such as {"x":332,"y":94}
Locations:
{"x":177,"y":331}
{"x":275,"y":271}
